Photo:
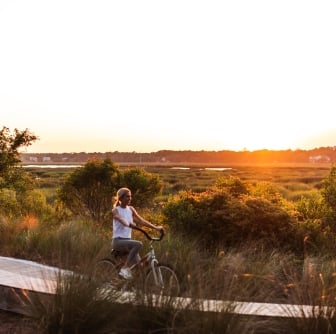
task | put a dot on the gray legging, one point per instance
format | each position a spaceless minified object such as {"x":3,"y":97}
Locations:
{"x":132,"y":247}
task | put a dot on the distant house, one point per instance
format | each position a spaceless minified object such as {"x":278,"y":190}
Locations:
{"x":319,"y":158}
{"x":46,"y":159}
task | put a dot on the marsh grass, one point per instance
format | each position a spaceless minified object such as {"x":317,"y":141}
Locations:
{"x":77,"y":307}
{"x":313,"y":291}
{"x":68,"y":245}
{"x":81,"y":306}
{"x":245,"y":274}
{"x":78,"y":243}
{"x":198,"y":178}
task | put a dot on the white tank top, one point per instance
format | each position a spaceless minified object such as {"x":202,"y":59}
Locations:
{"x":120,"y":230}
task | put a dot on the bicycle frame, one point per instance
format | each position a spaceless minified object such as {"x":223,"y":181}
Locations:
{"x":150,"y":256}
{"x":154,"y":267}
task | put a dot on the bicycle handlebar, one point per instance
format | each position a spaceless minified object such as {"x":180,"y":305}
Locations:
{"x":147,"y":235}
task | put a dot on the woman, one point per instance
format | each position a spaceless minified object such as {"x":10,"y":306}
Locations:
{"x":124,"y":216}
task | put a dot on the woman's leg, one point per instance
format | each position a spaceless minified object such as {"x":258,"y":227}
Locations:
{"x":132,"y":247}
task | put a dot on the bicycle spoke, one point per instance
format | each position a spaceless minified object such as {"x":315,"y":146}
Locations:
{"x":106,"y":272}
{"x":162,"y":282}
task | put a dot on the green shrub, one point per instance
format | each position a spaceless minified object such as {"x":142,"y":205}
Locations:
{"x":89,"y":191}
{"x":216,"y":218}
{"x":328,"y":192}
{"x":15,"y":204}
{"x":145,"y":186}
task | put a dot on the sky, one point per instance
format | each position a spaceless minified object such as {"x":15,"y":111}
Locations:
{"x":144,"y":76}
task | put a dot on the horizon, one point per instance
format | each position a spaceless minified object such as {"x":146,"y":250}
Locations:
{"x":186,"y":150}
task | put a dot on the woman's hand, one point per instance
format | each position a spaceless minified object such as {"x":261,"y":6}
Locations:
{"x":159,"y":228}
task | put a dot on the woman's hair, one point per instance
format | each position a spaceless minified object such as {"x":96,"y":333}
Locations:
{"x":120,"y":194}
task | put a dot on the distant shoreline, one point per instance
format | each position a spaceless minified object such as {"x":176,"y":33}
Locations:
{"x":182,"y":164}
{"x":319,"y":157}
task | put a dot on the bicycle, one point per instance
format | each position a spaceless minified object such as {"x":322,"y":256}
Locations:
{"x":149,"y":275}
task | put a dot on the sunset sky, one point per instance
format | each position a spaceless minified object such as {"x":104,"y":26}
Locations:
{"x":105,"y":75}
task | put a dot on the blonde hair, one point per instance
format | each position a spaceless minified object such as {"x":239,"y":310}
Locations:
{"x":120,"y":194}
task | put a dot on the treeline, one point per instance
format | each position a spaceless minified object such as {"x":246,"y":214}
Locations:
{"x":317,"y":155}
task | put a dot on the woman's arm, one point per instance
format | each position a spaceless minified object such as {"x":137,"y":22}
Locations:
{"x":143,"y":221}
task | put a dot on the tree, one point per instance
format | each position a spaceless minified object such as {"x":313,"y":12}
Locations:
{"x":17,"y":197}
{"x":144,"y":186}
{"x":11,"y":173}
{"x":89,"y":189}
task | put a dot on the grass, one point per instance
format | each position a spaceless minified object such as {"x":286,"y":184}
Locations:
{"x":299,"y":178}
{"x":76,"y":307}
{"x":245,"y":274}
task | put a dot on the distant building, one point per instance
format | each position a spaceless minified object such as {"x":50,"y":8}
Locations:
{"x":46,"y":159}
{"x":319,"y":158}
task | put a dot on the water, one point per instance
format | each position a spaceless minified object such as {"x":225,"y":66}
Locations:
{"x":220,"y":169}
{"x":52,"y":166}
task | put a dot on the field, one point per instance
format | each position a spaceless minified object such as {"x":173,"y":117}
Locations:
{"x":292,"y":180}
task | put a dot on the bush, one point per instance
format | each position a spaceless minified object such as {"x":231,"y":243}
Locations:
{"x":15,"y":204}
{"x":89,"y":190}
{"x":144,"y":186}
{"x":217,"y":218}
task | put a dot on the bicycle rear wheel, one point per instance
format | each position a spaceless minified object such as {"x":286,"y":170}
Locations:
{"x":162,"y":281}
{"x":106,"y":272}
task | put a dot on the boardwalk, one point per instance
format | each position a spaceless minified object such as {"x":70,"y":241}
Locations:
{"x":18,"y":277}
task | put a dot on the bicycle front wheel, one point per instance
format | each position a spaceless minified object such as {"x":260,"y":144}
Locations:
{"x":162,"y":280}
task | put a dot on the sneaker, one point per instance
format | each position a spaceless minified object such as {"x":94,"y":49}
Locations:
{"x":125,"y":273}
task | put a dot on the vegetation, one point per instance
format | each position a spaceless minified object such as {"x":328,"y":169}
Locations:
{"x":255,"y":234}
{"x":11,"y":175}
{"x":18,"y":197}
{"x":328,"y":192}
{"x":219,"y":219}
{"x":89,"y":191}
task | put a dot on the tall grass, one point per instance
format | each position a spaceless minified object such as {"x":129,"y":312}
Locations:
{"x":247,"y":274}
{"x":68,"y":245}
{"x":314,"y":291}
{"x":81,"y":306}
{"x":77,"y":307}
